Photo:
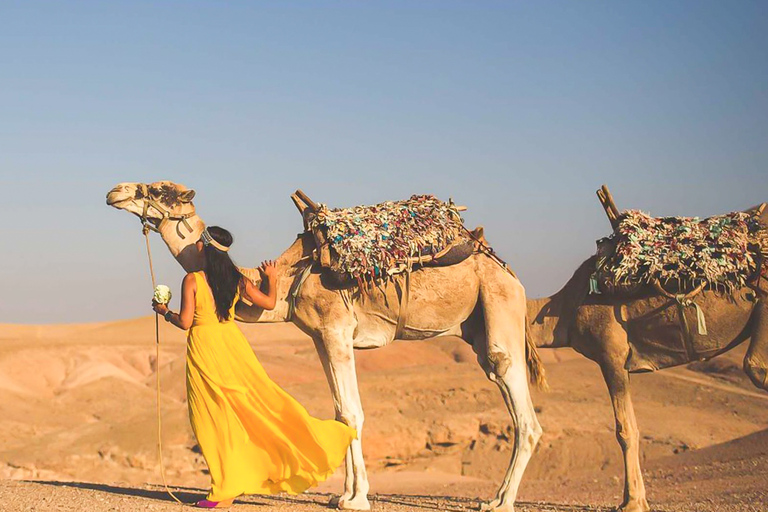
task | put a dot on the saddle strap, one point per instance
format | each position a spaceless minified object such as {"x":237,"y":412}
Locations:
{"x":402,"y":314}
{"x":296,"y":288}
{"x":701,"y":320}
{"x":690,"y":348}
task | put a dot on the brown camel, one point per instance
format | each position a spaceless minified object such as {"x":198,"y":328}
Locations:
{"x":645,"y":333}
{"x":476,"y":299}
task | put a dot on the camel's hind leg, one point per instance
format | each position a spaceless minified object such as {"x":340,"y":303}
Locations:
{"x":756,"y":360}
{"x":514,"y":389}
{"x":500,"y":343}
{"x":337,"y":355}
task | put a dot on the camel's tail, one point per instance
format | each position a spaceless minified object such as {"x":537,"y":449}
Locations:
{"x":535,"y":367}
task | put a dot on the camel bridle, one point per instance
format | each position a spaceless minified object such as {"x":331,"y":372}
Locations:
{"x":167,"y":215}
{"x":147,"y":225}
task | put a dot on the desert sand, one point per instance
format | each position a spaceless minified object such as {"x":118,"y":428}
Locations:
{"x":78,"y":426}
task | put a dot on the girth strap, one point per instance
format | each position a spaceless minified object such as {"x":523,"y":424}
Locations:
{"x":690,"y":349}
{"x":296,"y":288}
{"x":402,"y":314}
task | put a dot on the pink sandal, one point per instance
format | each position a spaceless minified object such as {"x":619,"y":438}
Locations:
{"x":214,"y":504}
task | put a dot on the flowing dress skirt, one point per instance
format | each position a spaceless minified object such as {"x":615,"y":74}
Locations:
{"x":255,"y":438}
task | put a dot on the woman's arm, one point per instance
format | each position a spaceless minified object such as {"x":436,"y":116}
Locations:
{"x":256,"y":296}
{"x":182,"y":319}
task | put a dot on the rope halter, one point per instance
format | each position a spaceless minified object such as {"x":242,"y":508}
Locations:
{"x":166,"y":214}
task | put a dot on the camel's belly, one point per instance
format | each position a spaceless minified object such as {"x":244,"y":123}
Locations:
{"x":659,"y":340}
{"x":438,"y":303}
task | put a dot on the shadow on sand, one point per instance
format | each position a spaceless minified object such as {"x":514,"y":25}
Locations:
{"x":189,"y":495}
{"x":185,"y":494}
{"x":462,"y":504}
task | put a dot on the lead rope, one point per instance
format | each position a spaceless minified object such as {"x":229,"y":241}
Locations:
{"x":145,"y":230}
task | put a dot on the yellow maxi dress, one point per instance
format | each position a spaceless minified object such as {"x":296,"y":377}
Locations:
{"x":255,"y":438}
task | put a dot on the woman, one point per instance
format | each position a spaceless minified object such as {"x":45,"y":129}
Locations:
{"x":255,"y":438}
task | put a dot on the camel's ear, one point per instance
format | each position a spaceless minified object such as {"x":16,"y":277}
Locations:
{"x":187,"y":196}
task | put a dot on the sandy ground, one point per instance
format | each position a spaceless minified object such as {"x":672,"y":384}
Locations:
{"x":78,"y":431}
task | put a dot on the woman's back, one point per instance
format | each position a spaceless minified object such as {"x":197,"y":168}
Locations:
{"x":205,"y":306}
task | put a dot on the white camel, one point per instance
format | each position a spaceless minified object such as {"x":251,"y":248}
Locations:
{"x":476,"y":299}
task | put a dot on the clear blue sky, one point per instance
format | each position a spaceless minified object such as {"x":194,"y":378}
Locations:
{"x":520,"y":110}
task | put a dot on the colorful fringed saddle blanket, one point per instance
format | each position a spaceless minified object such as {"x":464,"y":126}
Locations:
{"x":723,"y":252}
{"x":377,"y":241}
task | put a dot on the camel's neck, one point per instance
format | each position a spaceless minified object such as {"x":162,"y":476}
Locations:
{"x":550,"y":318}
{"x":543,"y":317}
{"x":183,"y":249}
{"x":288,"y":266}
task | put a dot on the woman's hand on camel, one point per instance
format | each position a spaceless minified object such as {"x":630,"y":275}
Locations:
{"x":268,"y":269}
{"x":160,"y":309}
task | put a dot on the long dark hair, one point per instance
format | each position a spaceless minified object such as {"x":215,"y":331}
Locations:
{"x":223,"y":276}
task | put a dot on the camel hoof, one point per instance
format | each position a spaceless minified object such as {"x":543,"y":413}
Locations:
{"x":496,"y":506}
{"x":757,"y":374}
{"x":356,"y":503}
{"x":634,"y":506}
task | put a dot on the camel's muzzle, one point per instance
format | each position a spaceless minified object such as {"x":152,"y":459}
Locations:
{"x":118,"y":195}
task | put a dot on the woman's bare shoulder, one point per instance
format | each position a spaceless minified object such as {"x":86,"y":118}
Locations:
{"x":189,"y":279}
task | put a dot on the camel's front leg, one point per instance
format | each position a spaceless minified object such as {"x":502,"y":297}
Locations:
{"x":335,"y":350}
{"x":628,"y":435}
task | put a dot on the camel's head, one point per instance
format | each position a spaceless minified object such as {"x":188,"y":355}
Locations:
{"x":152,"y":201}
